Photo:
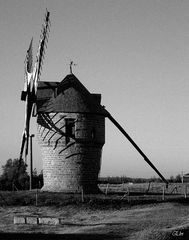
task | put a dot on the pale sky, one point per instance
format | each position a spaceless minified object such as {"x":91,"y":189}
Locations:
{"x":134,"y":52}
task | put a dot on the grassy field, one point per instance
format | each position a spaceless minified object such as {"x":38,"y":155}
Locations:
{"x":112,"y":194}
{"x":142,"y":214}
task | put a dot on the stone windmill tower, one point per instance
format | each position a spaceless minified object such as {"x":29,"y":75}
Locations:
{"x":70,"y":126}
{"x":71,"y":133}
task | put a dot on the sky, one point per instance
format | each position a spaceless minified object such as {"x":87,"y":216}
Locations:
{"x":134,"y":52}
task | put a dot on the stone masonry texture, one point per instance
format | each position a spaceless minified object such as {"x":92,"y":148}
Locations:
{"x":68,"y":167}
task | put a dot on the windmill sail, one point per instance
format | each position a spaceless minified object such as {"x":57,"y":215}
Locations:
{"x":27,"y":72}
{"x":31,"y":77}
{"x":29,"y":58}
{"x":26,"y":96}
{"x":41,"y":51}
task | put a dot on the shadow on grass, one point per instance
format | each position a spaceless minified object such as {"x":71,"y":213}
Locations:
{"x":40,"y":236}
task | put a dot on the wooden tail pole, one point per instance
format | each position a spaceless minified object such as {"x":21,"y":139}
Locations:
{"x":135,"y":146}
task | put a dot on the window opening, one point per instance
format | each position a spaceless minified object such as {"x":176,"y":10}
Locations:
{"x":70,"y":129}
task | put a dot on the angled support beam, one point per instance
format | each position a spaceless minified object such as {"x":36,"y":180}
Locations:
{"x":135,"y":145}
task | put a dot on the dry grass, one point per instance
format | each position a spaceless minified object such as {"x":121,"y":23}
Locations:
{"x":153,"y":221}
{"x":100,"y":216}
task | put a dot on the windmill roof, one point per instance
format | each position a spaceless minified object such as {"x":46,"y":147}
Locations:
{"x":46,"y":89}
{"x":69,"y":95}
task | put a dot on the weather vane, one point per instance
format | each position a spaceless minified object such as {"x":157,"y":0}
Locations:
{"x":71,"y":65}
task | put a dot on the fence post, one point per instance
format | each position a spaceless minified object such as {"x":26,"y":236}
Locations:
{"x":128,"y":198}
{"x":107,"y":186}
{"x":185,"y":192}
{"x":148,"y":189}
{"x":122,"y":186}
{"x":82,"y":195}
{"x":163,"y":195}
{"x":36,"y":198}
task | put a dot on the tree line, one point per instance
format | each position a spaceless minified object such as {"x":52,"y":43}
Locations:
{"x":15,"y":177}
{"x":124,"y":179}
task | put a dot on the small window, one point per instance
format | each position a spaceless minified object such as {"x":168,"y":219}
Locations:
{"x":70,"y":129}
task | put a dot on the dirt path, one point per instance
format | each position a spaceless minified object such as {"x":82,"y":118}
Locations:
{"x":155,"y":221}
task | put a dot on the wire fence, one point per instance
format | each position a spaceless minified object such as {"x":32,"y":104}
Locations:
{"x":110,"y":193}
{"x":148,"y":191}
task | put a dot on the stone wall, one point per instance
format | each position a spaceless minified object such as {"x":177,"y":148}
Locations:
{"x":71,"y":162}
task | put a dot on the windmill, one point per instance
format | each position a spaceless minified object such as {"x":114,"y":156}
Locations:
{"x":70,"y":127}
{"x":31,"y":78}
